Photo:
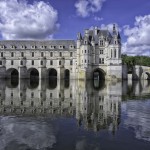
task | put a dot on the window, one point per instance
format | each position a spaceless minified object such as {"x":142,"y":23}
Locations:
{"x":32,"y":54}
{"x":59,"y":95}
{"x":21,"y":62}
{"x":111,"y":53}
{"x":70,"y":95}
{"x":41,"y":95}
{"x":85,"y":42}
{"x":32,"y":62}
{"x":0,"y":62}
{"x":12,"y":62}
{"x":42,"y":54}
{"x":23,"y":47}
{"x":101,"y":51}
{"x":21,"y":103}
{"x":115,"y":42}
{"x":101,"y":60}
{"x":51,"y":103}
{"x":71,"y":54}
{"x":43,"y":47}
{"x":115,"y":53}
{"x":85,"y":60}
{"x":51,"y":95}
{"x":12,"y":54}
{"x":32,"y":95}
{"x":71,"y":62}
{"x":13,"y":47}
{"x":22,"y":54}
{"x":32,"y":103}
{"x":51,"y":54}
{"x":11,"y":94}
{"x":11,"y":102}
{"x":101,"y":43}
{"x":33,"y":46}
{"x":85,"y":51}
{"x":60,"y":54}
{"x":59,"y":62}
{"x":41,"y":62}
{"x":1,"y":54}
{"x":51,"y":62}
{"x":2,"y":46}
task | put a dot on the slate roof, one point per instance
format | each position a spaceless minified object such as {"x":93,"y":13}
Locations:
{"x":38,"y":43}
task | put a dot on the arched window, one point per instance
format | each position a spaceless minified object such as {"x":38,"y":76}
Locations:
{"x":51,"y":62}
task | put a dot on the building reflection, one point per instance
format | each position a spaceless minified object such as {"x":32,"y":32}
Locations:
{"x":96,"y":105}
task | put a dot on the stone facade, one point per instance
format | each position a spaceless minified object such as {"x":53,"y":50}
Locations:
{"x":97,"y":53}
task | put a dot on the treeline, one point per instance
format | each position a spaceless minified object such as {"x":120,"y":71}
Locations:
{"x":136,"y":60}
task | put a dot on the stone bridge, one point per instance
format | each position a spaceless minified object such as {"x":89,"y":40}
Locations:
{"x":141,"y":73}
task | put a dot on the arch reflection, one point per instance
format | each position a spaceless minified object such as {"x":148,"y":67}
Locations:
{"x":96,"y":106}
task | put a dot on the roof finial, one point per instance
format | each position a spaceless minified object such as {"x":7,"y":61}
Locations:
{"x":79,"y":36}
{"x":114,"y":28}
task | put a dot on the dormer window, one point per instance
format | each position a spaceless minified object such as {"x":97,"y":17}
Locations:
{"x":52,"y":47}
{"x":43,"y":47}
{"x":13,"y":47}
{"x":2,"y":46}
{"x":61,"y":46}
{"x":72,"y":46}
{"x":23,"y":47}
{"x":101,"y":43}
{"x":33,"y":47}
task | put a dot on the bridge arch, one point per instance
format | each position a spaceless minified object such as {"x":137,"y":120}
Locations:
{"x":32,"y":83}
{"x":99,"y":74}
{"x":12,"y":73}
{"x":146,"y":75}
{"x":52,"y":73}
{"x":67,"y":74}
{"x":32,"y":73}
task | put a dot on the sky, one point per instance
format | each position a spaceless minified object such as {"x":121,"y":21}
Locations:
{"x":63,"y":19}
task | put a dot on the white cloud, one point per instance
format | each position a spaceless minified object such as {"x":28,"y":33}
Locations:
{"x":20,"y":20}
{"x":138,"y":37}
{"x":98,"y":18}
{"x":85,"y":7}
{"x":138,"y":118}
{"x":110,"y":27}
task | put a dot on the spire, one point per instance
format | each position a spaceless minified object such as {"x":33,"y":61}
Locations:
{"x":92,"y":39}
{"x":114,"y":29}
{"x":79,"y":36}
{"x":119,"y":37}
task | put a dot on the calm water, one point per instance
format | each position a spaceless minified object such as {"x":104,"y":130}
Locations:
{"x":74,"y":115}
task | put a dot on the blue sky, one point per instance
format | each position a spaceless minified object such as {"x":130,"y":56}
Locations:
{"x":63,"y":19}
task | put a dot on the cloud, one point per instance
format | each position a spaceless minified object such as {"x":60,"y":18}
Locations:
{"x":98,"y":18}
{"x":138,"y":118}
{"x":85,"y":7}
{"x":138,"y":37}
{"x":30,"y":133}
{"x":110,"y":27}
{"x":21,"y":20}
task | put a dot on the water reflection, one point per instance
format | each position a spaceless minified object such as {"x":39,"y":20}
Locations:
{"x":95,"y":106}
